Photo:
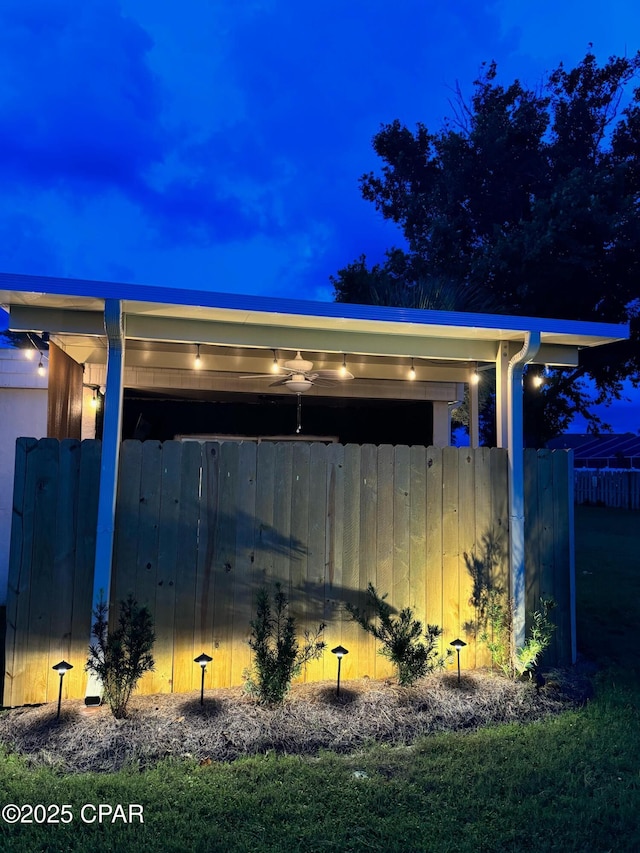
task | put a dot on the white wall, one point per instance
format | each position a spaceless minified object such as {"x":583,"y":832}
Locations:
{"x":23,"y":412}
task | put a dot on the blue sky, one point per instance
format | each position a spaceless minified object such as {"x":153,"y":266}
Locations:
{"x":219,"y":144}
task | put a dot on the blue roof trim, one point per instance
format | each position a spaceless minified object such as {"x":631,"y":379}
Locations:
{"x":278,"y":305}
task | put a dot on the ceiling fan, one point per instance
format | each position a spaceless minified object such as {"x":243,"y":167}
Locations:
{"x":300,"y":375}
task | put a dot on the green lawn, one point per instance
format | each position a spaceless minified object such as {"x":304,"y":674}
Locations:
{"x":571,"y":783}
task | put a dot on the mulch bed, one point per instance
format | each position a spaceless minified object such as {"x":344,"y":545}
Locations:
{"x":232,"y":724}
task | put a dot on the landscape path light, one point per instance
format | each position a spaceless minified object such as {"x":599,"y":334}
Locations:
{"x":339,"y":652}
{"x":61,"y":668}
{"x":457,"y":645}
{"x":203,"y":660}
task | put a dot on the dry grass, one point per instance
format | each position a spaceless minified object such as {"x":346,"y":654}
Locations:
{"x":232,"y":724}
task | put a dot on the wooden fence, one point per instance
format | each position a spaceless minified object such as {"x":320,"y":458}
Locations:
{"x":200,"y":527}
{"x":613,"y":488}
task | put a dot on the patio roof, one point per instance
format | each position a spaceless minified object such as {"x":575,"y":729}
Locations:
{"x":74,"y":308}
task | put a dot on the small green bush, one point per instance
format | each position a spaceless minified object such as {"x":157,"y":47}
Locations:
{"x":278,"y":657}
{"x":121,"y":657}
{"x":496,"y":634}
{"x":401,"y":638}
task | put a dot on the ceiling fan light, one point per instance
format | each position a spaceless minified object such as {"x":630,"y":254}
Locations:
{"x":298,"y":384}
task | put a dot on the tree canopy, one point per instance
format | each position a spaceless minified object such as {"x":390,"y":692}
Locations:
{"x":526,"y":201}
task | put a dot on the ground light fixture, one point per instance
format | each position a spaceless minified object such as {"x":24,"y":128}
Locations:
{"x":61,"y":668}
{"x":203,"y":660}
{"x":339,"y":652}
{"x":457,"y":645}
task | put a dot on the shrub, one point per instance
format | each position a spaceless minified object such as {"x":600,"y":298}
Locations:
{"x":496,"y":635}
{"x":121,"y":657}
{"x":401,"y":638}
{"x":278,"y":657}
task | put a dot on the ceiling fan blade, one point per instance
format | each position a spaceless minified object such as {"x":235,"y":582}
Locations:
{"x":325,"y":382}
{"x":282,"y":381}
{"x":258,"y":376}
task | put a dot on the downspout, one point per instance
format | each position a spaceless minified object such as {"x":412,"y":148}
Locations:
{"x":111,"y":432}
{"x":515,"y":450}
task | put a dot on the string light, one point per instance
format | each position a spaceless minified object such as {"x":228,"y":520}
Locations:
{"x":475,"y":377}
{"x":41,"y":367}
{"x":197,"y":361}
{"x":343,"y":369}
{"x":275,"y":367}
{"x":412,"y":371}
{"x":94,"y":399}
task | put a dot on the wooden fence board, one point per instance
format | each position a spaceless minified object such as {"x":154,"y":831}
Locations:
{"x":184,"y":674}
{"x":316,"y":556}
{"x":532,"y":520}
{"x":399,"y":595}
{"x":19,"y":573}
{"x":123,"y":580}
{"x":466,"y":545}
{"x":63,"y":562}
{"x":166,"y":573}
{"x":561,"y":556}
{"x":351,"y":633}
{"x":46,"y":458}
{"x":224,"y":564}
{"x":450,"y":545}
{"x":367,"y":549}
{"x":148,"y":521}
{"x":247,"y":576}
{"x":265,"y":492}
{"x":386,"y":487}
{"x":213,"y":517}
{"x":282,"y":514}
{"x":334,"y":596}
{"x":434,"y":536}
{"x":417,"y":531}
{"x":81,"y":601}
{"x":484,"y":552}
{"x":299,"y":533}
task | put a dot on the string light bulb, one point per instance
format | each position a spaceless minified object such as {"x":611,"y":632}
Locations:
{"x":197,"y":363}
{"x":475,"y":377}
{"x":275,"y":367}
{"x":343,"y":369}
{"x":41,"y":368}
{"x":538,"y":381}
{"x":94,"y":400}
{"x":29,"y":353}
{"x":412,"y":371}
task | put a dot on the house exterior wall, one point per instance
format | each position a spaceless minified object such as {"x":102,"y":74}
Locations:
{"x":23,"y":411}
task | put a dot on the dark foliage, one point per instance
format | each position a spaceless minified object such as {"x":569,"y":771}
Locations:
{"x":526,"y":202}
{"x":278,"y":657}
{"x":401,"y":637}
{"x":122,"y":656}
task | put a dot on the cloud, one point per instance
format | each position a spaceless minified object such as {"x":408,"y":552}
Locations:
{"x":78,"y":105}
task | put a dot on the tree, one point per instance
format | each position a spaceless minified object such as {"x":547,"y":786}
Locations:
{"x":531,"y":199}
